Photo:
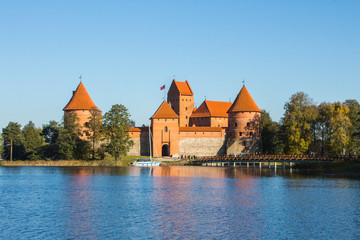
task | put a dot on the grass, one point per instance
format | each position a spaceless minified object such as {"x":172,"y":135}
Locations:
{"x":107,"y":162}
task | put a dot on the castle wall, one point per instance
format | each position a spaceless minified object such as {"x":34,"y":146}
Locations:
{"x":203,"y":146}
{"x":202,"y":143}
{"x":219,"y":122}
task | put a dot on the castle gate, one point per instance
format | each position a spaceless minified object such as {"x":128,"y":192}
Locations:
{"x":165,"y":150}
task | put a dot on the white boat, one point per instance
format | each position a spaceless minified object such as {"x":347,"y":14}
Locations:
{"x":146,"y":162}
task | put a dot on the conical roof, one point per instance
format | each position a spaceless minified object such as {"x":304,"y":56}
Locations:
{"x":244,"y":102}
{"x":80,"y":100}
{"x":212,"y":109}
{"x":165,"y":111}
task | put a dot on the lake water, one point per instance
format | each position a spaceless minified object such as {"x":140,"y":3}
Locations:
{"x":175,"y":202}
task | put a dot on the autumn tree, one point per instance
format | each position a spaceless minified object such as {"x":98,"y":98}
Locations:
{"x":13,"y":141}
{"x":1,"y":145}
{"x":116,"y":123}
{"x":93,"y":129}
{"x":354,"y":131}
{"x":299,"y":113}
{"x":340,"y":123}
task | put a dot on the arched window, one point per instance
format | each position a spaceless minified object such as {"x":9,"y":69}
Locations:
{"x":166,"y":129}
{"x":235,"y":124}
{"x":240,"y":134}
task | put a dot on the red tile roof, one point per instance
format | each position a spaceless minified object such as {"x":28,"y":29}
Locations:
{"x":212,"y":109}
{"x":134,"y":129}
{"x":80,"y":100}
{"x":200,"y":129}
{"x":165,"y":111}
{"x":183,"y":88}
{"x":244,"y":102}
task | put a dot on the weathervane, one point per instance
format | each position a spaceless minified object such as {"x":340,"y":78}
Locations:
{"x":243,"y":82}
{"x":80,"y":77}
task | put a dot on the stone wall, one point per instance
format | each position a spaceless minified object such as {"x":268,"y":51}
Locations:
{"x":135,"y":149}
{"x":202,"y":146}
{"x":243,"y":146}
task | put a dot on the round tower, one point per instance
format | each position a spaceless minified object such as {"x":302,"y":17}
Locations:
{"x":244,"y":125}
{"x":81,"y":104}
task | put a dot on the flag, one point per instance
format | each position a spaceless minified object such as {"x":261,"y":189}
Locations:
{"x":162,"y":87}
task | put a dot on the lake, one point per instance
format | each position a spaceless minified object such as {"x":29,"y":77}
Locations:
{"x":175,"y":202}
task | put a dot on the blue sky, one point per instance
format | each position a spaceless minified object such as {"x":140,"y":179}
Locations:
{"x":126,"y":50}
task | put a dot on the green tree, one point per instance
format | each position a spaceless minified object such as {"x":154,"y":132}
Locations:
{"x":300,"y":112}
{"x":33,"y":141}
{"x":116,"y":123}
{"x":93,"y":129}
{"x":325,"y":112}
{"x":354,"y":131}
{"x":50,"y":133}
{"x":13,"y":141}
{"x":271,"y":135}
{"x":68,"y":135}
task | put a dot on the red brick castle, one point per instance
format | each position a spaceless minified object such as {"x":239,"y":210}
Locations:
{"x":178,"y":128}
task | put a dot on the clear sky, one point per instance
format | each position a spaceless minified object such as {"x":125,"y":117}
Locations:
{"x":126,"y":50}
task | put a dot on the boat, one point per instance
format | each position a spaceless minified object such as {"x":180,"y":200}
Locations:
{"x":146,"y":162}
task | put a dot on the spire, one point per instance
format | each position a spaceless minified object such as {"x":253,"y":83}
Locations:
{"x":80,"y":100}
{"x":244,"y":102}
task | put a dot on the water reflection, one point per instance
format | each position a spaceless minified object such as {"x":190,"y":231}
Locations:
{"x":175,"y":202}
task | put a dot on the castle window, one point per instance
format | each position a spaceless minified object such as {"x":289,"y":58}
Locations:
{"x":186,"y":117}
{"x":166,"y":129}
{"x":235,"y":124}
{"x":86,"y":124}
{"x":251,"y":133}
{"x":240,"y":134}
{"x":248,"y":124}
{"x":185,"y":108}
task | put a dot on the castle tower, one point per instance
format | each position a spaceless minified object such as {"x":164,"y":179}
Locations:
{"x":181,"y":99}
{"x":244,"y":125}
{"x":81,"y":104}
{"x":165,"y":131}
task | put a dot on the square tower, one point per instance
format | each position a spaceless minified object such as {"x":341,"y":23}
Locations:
{"x":181,"y":99}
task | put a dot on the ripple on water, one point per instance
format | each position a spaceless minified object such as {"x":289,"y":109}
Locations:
{"x":57,"y":203}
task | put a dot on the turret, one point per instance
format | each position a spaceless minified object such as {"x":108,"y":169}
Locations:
{"x":244,"y":125}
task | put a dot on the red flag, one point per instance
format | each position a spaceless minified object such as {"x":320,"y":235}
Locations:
{"x":163,"y":87}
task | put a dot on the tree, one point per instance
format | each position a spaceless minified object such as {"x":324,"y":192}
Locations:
{"x":32,"y":141}
{"x":1,"y":145}
{"x":354,"y":131}
{"x":93,"y":127}
{"x":116,"y":123}
{"x":299,"y":113}
{"x":325,"y":112}
{"x":12,"y":138}
{"x":68,"y":135}
{"x":271,"y":135}
{"x":50,"y":132}
{"x":340,"y":124}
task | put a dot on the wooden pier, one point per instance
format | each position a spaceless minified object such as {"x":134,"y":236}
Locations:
{"x":269,"y":161}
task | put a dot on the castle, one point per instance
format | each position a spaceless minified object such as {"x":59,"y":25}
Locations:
{"x":178,"y":128}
